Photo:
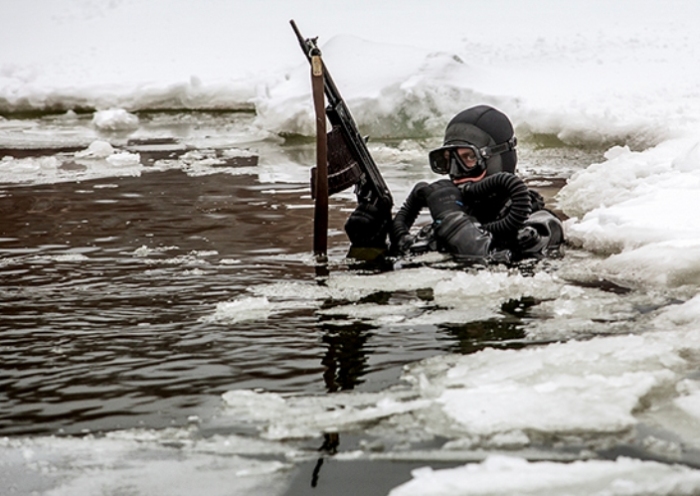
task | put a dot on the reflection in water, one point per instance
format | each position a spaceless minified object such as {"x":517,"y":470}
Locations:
{"x":505,"y":332}
{"x":331,"y":441}
{"x":345,"y":360}
{"x":105,"y":286}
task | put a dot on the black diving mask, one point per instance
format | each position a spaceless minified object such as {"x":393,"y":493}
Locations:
{"x":445,"y":160}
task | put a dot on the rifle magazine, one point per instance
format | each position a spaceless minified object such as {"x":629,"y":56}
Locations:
{"x":343,"y":169}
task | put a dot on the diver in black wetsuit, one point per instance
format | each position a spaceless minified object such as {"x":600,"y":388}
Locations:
{"x":482,"y":213}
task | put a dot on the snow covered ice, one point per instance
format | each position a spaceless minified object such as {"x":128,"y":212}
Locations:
{"x":505,"y":475}
{"x":602,"y":369}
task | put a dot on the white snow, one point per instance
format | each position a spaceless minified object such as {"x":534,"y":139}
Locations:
{"x":630,"y":78}
{"x":503,"y":475}
{"x":115,"y":120}
{"x":620,"y":74}
{"x":572,"y":392}
{"x":168,"y":462}
{"x":631,"y":73}
{"x":241,"y":310}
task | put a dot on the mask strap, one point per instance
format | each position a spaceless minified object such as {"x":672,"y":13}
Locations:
{"x":489,"y":151}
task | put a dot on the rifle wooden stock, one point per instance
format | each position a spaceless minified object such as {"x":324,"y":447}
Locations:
{"x":321,"y":197}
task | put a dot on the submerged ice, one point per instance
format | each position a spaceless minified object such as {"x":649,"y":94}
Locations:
{"x":580,"y":393}
{"x":568,"y":399}
{"x":559,"y":401}
{"x":168,"y":462}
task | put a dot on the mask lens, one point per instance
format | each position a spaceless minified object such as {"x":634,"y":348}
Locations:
{"x":469,"y":156}
{"x":466,"y":162}
{"x":443,"y":160}
{"x":440,"y":161}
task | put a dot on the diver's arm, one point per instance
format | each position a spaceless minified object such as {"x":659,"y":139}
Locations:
{"x":455,"y":231}
{"x":404,"y":219}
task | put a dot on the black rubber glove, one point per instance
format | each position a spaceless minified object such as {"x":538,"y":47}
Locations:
{"x":536,"y":200}
{"x":367,"y":226}
{"x":543,"y":231}
{"x":442,"y":197}
{"x":458,"y":233}
{"x":462,"y":236}
{"x":403,"y":245}
{"x":529,"y":239}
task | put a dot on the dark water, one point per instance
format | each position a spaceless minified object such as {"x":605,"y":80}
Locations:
{"x":105,"y":287}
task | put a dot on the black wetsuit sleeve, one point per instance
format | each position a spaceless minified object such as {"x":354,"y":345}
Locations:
{"x":408,"y":213}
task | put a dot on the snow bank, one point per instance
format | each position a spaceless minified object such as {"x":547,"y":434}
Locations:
{"x":634,"y":81}
{"x":639,"y":208}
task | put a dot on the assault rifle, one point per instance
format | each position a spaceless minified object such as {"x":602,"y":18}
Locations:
{"x":349,"y":160}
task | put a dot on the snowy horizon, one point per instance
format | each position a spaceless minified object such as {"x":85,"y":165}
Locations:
{"x":590,"y":72}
